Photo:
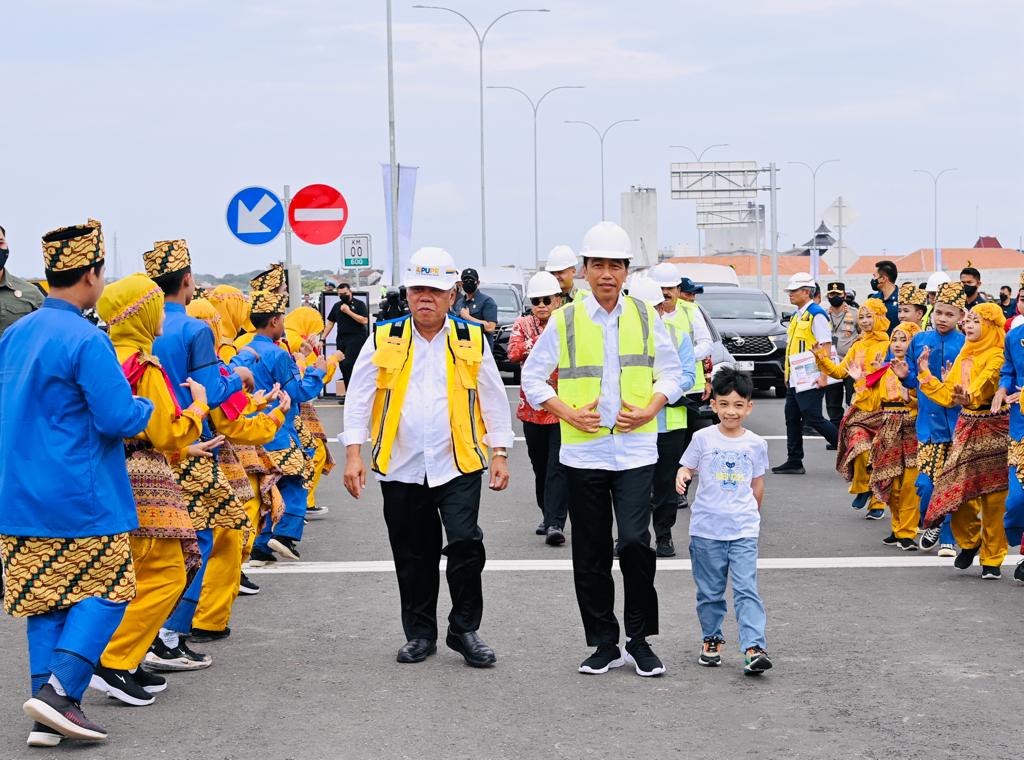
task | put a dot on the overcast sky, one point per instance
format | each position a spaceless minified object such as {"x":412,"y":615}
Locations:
{"x":150,"y":114}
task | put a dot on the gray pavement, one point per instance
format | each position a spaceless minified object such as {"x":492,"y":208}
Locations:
{"x":914,"y":662}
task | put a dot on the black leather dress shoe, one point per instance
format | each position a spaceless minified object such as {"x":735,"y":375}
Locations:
{"x":416,"y":650}
{"x":476,"y":653}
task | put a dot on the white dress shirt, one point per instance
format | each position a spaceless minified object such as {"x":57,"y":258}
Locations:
{"x":820,"y":327}
{"x":702,"y":342}
{"x":422,"y":450}
{"x":616,"y":451}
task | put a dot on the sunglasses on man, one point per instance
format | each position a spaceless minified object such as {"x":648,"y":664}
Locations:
{"x":545,"y":300}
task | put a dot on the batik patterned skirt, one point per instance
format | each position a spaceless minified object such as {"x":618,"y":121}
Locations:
{"x":856,"y":433}
{"x":976,"y":464}
{"x":894,"y":451}
{"x":931,"y":459}
{"x":211,"y":500}
{"x":46,"y":574}
{"x":1015,"y":458}
{"x":312,"y":429}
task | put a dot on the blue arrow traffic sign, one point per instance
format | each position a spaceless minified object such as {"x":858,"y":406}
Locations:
{"x":255,"y":215}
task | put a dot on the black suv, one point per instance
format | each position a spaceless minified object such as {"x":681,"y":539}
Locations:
{"x":753,"y":332}
{"x":510,"y":307}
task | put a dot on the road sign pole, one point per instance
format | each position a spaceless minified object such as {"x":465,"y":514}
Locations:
{"x":294,"y":287}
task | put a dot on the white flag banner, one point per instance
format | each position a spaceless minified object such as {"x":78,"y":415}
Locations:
{"x":406,"y":201}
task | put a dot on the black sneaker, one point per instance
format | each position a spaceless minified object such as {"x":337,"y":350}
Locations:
{"x":151,"y":682}
{"x":640,"y":655}
{"x":789,"y":468}
{"x":756,"y":662}
{"x":163,"y":659}
{"x":259,"y":558}
{"x":711,"y":652}
{"x":908,"y":545}
{"x":682,"y":502}
{"x":246,"y":587}
{"x":830,"y":447}
{"x":286,"y":547}
{"x":875,"y":514}
{"x":121,"y":685}
{"x":965,"y":558}
{"x":891,"y":540}
{"x":665,"y":547}
{"x":929,"y":539}
{"x":991,"y":572}
{"x":44,"y":736}
{"x":202,"y":636}
{"x":861,"y":500}
{"x":62,"y":714}
{"x":542,"y":529}
{"x":316,"y":512}
{"x":1018,"y":572}
{"x":606,"y":657}
{"x":555,"y":537}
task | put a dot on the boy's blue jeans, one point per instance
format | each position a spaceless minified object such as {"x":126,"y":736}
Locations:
{"x":715,"y":562}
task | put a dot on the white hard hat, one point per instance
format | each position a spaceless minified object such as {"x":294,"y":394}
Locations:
{"x":543,"y":284}
{"x":936,"y":281}
{"x":801,"y":280}
{"x":665,"y":275}
{"x":561,"y":257}
{"x":606,"y":240}
{"x":647,"y":290}
{"x":431,"y":268}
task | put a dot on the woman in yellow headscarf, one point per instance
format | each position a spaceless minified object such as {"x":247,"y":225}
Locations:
{"x":164,"y":545}
{"x":302,"y":329}
{"x":864,"y":417}
{"x":894,"y":449}
{"x":974,"y":480}
{"x":239,"y":421}
{"x":233,"y":307}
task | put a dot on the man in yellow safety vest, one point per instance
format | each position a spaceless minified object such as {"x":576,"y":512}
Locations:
{"x":427,"y":394}
{"x":617,"y":368}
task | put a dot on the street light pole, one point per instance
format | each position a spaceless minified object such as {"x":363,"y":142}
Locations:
{"x":536,"y":106}
{"x":814,"y":207}
{"x":936,"y":252}
{"x":698,"y":157}
{"x":600,"y":136}
{"x":481,"y":38}
{"x":393,"y":190}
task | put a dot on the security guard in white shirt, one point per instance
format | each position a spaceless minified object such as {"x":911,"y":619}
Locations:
{"x":427,"y":394}
{"x":617,"y":368}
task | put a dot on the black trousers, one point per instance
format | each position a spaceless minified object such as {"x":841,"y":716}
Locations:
{"x":593,"y":495}
{"x":414,"y":515}
{"x":349,"y":344}
{"x":543,"y":443}
{"x":664,"y":499}
{"x":804,"y":408}
{"x":837,"y":397}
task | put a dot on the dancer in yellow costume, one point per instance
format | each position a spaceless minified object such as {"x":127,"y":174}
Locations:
{"x":864,"y":417}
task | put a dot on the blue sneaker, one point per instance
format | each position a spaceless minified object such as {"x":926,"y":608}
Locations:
{"x":875,"y":514}
{"x":861,"y":500}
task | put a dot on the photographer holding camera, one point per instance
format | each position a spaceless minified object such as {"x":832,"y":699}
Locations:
{"x":352,"y":319}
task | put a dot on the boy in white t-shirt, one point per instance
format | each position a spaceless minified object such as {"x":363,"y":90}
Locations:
{"x":725,"y":519}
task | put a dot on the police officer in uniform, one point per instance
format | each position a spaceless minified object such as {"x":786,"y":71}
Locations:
{"x":426,"y":393}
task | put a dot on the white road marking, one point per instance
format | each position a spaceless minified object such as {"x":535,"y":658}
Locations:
{"x":564,"y":565}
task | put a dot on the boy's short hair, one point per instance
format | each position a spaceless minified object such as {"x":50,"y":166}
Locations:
{"x":259,"y":321}
{"x":727,"y":380}
{"x":68,"y":278}
{"x":171,"y":283}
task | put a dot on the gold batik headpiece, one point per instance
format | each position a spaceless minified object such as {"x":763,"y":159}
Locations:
{"x":167,"y":257}
{"x":268,"y":303}
{"x":913,"y":295}
{"x":270,"y":280}
{"x":952,"y":293}
{"x":1022,"y":280}
{"x":67,"y":248}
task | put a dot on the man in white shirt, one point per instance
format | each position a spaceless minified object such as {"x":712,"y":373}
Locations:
{"x":426,"y":391}
{"x":808,"y":327}
{"x":617,"y":368}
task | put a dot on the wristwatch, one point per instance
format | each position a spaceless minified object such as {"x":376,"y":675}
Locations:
{"x":502,"y":453}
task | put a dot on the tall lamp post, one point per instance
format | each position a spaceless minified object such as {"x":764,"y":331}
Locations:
{"x":393,"y":189}
{"x":937,"y":252}
{"x":535,"y":105}
{"x":600,"y":136}
{"x":698,"y":157}
{"x":814,"y":206}
{"x":481,"y":38}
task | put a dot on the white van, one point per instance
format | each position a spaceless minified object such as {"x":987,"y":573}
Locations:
{"x":709,"y":274}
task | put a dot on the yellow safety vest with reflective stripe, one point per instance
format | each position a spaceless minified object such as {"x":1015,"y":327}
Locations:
{"x":393,"y":358}
{"x":801,"y":336}
{"x":678,"y":325}
{"x":683,"y":317}
{"x":577,"y":294}
{"x":581,"y":361}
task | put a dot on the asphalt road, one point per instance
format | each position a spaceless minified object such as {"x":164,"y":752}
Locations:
{"x":906,"y":659}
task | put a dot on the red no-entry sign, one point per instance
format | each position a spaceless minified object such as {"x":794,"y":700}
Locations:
{"x":318,"y":214}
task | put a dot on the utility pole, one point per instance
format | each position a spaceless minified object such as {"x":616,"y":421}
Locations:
{"x":773,"y":196}
{"x":395,"y":274}
{"x":839,"y":237}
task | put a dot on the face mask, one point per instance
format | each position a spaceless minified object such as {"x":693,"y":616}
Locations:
{"x":970,"y":290}
{"x":4,"y":253}
{"x":469,"y":286}
{"x":836,"y":301}
{"x":874,"y":283}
